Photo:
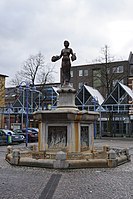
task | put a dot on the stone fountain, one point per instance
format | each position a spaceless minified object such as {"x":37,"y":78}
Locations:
{"x":66,"y":134}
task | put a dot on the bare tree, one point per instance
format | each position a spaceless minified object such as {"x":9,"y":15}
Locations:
{"x":34,"y":70}
{"x":107,"y":74}
{"x":46,"y":75}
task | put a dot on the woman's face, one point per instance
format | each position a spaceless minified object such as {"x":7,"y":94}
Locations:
{"x":66,"y":43}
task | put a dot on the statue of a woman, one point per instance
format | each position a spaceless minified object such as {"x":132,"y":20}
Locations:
{"x":66,"y":62}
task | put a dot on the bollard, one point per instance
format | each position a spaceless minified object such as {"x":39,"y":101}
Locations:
{"x":112,"y":154}
{"x":60,"y":162}
{"x":9,"y":153}
{"x":112,"y":161}
{"x":15,"y":156}
{"x":9,"y":149}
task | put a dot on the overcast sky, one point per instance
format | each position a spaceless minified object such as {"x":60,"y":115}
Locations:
{"x":31,"y":26}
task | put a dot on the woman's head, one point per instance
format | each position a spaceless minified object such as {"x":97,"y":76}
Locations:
{"x":66,"y":43}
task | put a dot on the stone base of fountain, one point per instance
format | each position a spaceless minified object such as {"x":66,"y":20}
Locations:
{"x":104,"y":158}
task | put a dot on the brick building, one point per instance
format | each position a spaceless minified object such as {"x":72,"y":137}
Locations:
{"x":2,"y":97}
{"x":91,"y":75}
{"x":100,"y":74}
{"x":2,"y":90}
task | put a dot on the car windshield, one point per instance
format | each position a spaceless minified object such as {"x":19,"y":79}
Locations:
{"x":8,"y":131}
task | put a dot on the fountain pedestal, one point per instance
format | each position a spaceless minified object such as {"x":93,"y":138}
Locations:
{"x":66,"y":128}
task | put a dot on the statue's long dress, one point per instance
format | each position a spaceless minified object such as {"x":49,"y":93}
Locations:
{"x":66,"y":65}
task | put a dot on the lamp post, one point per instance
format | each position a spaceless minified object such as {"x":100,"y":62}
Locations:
{"x":94,"y":100}
{"x":100,"y":124}
{"x":27,"y":109}
{"x":9,"y":112}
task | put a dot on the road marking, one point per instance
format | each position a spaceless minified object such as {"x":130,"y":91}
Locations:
{"x":50,"y":187}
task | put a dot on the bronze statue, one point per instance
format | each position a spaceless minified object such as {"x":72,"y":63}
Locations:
{"x":66,"y":63}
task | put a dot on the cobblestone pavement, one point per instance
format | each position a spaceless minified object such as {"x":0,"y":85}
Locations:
{"x":29,"y":183}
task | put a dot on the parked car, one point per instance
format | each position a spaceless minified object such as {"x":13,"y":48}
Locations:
{"x":3,"y":138}
{"x":14,"y":138}
{"x":32,"y":134}
{"x":34,"y":130}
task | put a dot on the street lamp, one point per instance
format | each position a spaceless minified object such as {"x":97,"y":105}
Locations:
{"x":27,"y":110}
{"x":95,"y":101}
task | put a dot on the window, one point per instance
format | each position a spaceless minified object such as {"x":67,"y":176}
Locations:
{"x":97,"y":78}
{"x":80,"y":85}
{"x":80,"y":72}
{"x":71,"y":73}
{"x":85,"y":72}
{"x":118,"y":69}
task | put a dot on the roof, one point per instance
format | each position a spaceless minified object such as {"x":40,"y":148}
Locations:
{"x":101,"y":64}
{"x":56,"y":89}
{"x":95,"y":94}
{"x":119,"y":95}
{"x":4,"y":75}
{"x":127,"y":89}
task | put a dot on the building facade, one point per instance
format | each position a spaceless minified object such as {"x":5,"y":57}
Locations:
{"x":2,"y":98}
{"x":102,"y":77}
{"x":2,"y":90}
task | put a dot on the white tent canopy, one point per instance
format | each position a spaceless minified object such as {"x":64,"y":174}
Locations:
{"x":95,"y":94}
{"x":88,"y":96}
{"x":119,"y":95}
{"x":127,"y":89}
